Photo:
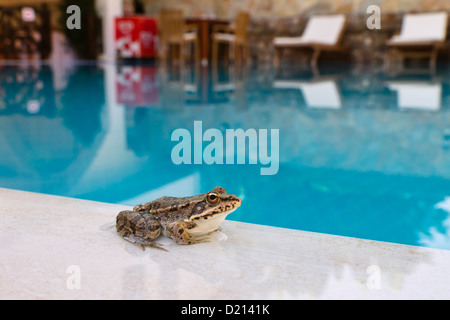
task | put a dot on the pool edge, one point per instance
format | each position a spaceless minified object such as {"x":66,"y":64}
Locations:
{"x":247,"y":261}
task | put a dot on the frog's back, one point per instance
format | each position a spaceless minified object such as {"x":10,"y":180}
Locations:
{"x":165,"y":204}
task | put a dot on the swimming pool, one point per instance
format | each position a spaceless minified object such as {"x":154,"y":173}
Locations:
{"x":360,"y":154}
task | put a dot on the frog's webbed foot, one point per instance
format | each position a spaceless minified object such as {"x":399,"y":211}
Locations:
{"x":204,"y":237}
{"x":142,"y":242}
{"x":200,"y":239}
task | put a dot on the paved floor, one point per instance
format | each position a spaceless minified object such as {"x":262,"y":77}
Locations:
{"x":61,"y":248}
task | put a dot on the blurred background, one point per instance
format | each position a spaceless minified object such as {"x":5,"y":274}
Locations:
{"x":47,"y":33}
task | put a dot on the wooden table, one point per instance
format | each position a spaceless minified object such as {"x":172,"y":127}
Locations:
{"x":205,"y":25}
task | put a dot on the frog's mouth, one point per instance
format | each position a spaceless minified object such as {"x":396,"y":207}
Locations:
{"x":228,"y":208}
{"x":210,"y":222}
{"x":224,"y":213}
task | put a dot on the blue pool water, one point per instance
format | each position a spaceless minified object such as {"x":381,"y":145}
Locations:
{"x":360,"y":154}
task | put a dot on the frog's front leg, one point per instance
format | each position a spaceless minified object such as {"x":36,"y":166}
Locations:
{"x":178,"y":232}
{"x":139,"y":228}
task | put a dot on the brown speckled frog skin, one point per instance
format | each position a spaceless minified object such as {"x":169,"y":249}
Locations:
{"x":186,"y":220}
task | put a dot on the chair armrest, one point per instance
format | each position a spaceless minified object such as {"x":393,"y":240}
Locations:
{"x":190,"y":27}
{"x":218,"y":28}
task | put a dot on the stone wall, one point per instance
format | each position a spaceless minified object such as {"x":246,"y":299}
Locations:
{"x":276,"y":9}
{"x":270,"y":18}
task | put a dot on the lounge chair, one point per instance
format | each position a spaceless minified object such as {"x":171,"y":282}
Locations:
{"x":421,"y":36}
{"x":322,"y":33}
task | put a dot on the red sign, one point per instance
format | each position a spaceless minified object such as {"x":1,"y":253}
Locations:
{"x":136,"y":37}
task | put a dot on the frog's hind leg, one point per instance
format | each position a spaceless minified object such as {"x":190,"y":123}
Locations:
{"x":142,"y":242}
{"x":139,"y":228}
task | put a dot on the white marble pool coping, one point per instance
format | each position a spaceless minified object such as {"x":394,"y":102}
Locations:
{"x":62,"y":248}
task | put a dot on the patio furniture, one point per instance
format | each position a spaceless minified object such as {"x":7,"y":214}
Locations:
{"x":421,"y":36}
{"x":235,"y":37}
{"x":322,"y":33}
{"x":205,"y":25}
{"x":175,"y":32}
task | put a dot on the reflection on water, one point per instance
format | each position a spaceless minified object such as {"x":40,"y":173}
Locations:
{"x":361,"y":154}
{"x":47,"y":136}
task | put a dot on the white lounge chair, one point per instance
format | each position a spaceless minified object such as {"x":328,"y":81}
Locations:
{"x":421,"y":36}
{"x":322,"y":33}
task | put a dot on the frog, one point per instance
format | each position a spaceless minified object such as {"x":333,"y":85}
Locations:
{"x":185,"y":220}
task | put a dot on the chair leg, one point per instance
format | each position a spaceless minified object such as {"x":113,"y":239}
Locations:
{"x":246,"y":52}
{"x":433,"y":59}
{"x":197,"y":50}
{"x":395,"y":60}
{"x":242,"y":53}
{"x":402,"y":57}
{"x":182,"y":52}
{"x":173,"y":51}
{"x":231,"y":52}
{"x":243,"y":57}
{"x":315,"y":59}
{"x":387,"y":60}
{"x":215,"y":52}
{"x":278,"y":57}
{"x":162,"y":51}
{"x":236,"y":53}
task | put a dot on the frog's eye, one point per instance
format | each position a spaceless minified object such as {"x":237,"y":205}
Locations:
{"x":212,"y":198}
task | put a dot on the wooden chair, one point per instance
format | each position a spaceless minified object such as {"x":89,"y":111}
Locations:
{"x":175,"y":32}
{"x":322,"y":33}
{"x":421,"y":36}
{"x":235,"y":37}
